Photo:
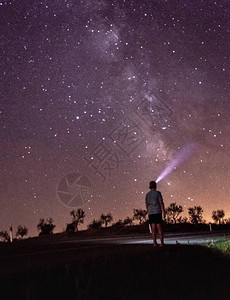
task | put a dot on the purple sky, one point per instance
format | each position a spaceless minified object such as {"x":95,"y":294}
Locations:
{"x":109,"y":92}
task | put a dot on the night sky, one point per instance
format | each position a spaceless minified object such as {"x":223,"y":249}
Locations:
{"x":97,"y":97}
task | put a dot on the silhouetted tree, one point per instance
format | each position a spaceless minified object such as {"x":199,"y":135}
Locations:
{"x":5,"y":236}
{"x":70,"y":227}
{"x":106,"y":219}
{"x":78,"y":217}
{"x":128,"y":221}
{"x":21,"y":231}
{"x":227,"y":221}
{"x":46,"y":227}
{"x":168,"y":217}
{"x":182,"y":220}
{"x":118,"y":224}
{"x":195,"y":214}
{"x":140,"y":215}
{"x":218,"y":216}
{"x":173,"y":212}
{"x":95,"y":224}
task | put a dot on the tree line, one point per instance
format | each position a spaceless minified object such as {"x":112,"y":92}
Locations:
{"x":172,"y":216}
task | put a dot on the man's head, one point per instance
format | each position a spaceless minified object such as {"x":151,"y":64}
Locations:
{"x":153,"y":185}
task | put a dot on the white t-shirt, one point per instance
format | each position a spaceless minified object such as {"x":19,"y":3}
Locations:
{"x":152,"y":201}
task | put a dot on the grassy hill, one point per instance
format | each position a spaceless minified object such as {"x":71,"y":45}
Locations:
{"x":125,"y":272}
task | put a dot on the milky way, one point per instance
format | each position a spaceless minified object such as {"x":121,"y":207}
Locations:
{"x":98,"y":96}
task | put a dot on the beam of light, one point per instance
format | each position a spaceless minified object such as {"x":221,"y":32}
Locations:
{"x":183,"y":154}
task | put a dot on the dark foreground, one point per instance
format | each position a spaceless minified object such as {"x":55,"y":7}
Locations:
{"x":121,"y":272}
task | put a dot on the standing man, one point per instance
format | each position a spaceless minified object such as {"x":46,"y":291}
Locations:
{"x":155,"y":208}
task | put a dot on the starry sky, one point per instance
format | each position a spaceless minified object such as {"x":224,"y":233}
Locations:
{"x":97,"y":97}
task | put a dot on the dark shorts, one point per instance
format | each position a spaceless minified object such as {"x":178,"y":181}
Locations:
{"x":155,"y":218}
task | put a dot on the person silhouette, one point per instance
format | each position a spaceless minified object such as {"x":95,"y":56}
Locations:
{"x":155,"y":208}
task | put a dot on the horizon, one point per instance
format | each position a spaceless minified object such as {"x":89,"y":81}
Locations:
{"x":84,"y":226}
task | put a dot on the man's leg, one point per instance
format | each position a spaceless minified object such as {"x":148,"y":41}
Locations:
{"x":160,"y":231}
{"x":154,"y":234}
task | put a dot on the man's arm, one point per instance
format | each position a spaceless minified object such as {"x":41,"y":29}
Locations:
{"x":162,"y":205}
{"x":146,"y":203}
